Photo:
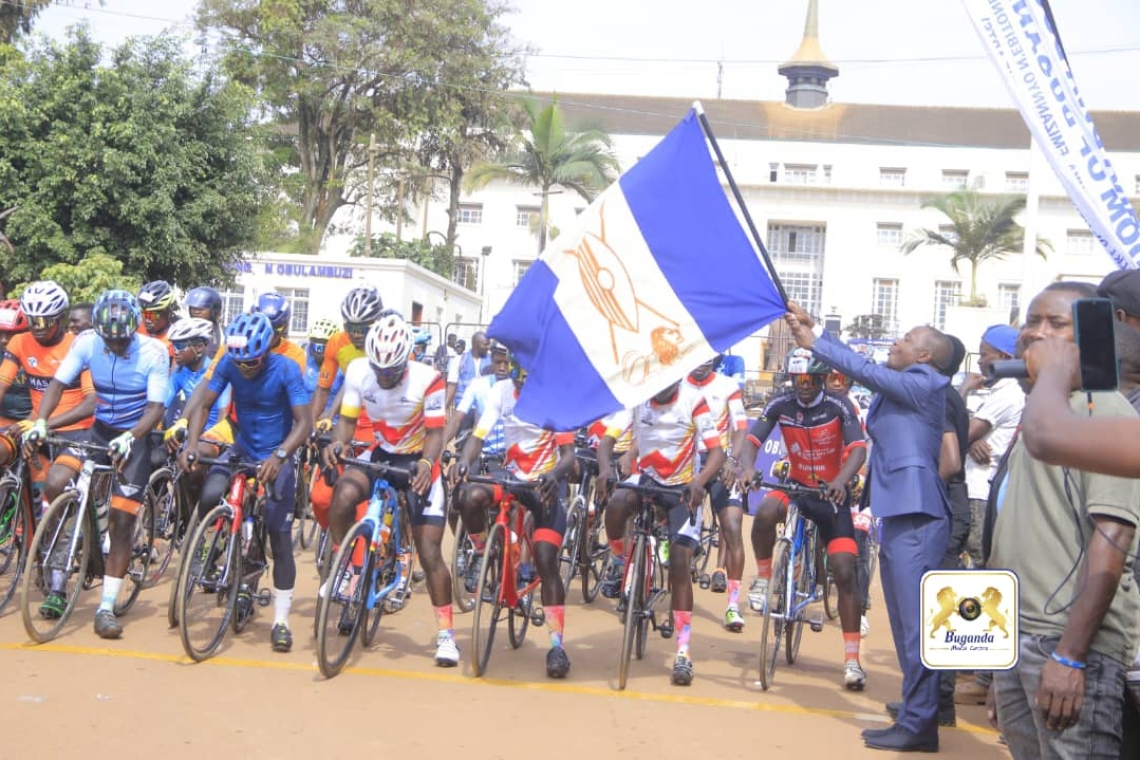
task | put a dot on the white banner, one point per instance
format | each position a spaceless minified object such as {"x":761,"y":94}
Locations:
{"x":1022,"y":44}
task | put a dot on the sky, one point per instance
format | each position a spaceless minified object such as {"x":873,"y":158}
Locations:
{"x":917,"y":52}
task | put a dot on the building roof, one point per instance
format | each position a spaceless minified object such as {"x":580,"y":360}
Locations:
{"x":809,"y":52}
{"x":859,"y":123}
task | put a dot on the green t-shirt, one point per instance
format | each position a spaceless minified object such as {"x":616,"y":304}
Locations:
{"x":1040,"y":535}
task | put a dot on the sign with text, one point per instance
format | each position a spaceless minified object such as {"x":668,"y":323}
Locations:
{"x":969,"y":619}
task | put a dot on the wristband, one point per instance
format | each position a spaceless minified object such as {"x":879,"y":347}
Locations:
{"x":1067,"y":662}
{"x":428,"y":462}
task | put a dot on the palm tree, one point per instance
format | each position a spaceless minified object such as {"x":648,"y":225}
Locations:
{"x":543,"y":154}
{"x":981,"y":229}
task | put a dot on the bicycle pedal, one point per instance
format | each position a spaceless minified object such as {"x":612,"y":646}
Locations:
{"x":705,"y":581}
{"x":666,"y":630}
{"x":816,"y":625}
{"x":538,"y":617}
{"x":263,"y":597}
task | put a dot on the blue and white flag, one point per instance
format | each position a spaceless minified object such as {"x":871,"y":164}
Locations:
{"x":657,"y":276}
{"x":1025,"y":47}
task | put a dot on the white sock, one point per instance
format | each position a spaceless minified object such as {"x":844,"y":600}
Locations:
{"x":110,"y":592}
{"x":282,"y":602}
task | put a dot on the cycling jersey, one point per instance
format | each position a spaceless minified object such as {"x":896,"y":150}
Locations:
{"x":818,"y":437}
{"x":618,"y":426}
{"x":38,"y":363}
{"x":266,"y":402}
{"x":475,"y":397}
{"x":726,"y":403}
{"x":531,"y":451}
{"x":400,"y":416}
{"x":668,"y":434}
{"x":339,"y":353}
{"x":165,"y":341}
{"x":124,"y":385}
{"x":182,"y":385}
{"x":312,"y":373}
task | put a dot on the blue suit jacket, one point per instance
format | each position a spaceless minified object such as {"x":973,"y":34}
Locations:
{"x":905,"y":424}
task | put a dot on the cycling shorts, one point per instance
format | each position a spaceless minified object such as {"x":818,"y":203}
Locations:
{"x":834,"y":522}
{"x":130,"y":484}
{"x":549,"y":520}
{"x":279,"y":500}
{"x":681,"y":532}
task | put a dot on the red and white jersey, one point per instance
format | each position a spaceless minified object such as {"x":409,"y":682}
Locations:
{"x":401,"y":416}
{"x":668,"y":434}
{"x":531,"y":451}
{"x":726,"y":403}
{"x":618,"y":426}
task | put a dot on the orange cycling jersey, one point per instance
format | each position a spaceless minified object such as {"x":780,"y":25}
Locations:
{"x":339,"y":353}
{"x":39,"y":364}
{"x":165,"y":340}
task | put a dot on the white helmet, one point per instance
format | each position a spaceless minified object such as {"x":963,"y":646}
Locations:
{"x":389,"y":342}
{"x":191,"y":328}
{"x":362,"y":305}
{"x":44,"y":299}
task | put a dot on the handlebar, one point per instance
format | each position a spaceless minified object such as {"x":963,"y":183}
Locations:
{"x":685,"y":494}
{"x":513,"y":487}
{"x":234,"y":465}
{"x":381,"y":469}
{"x":791,"y":489}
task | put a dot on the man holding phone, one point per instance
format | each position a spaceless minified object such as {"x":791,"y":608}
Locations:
{"x":1068,"y":534}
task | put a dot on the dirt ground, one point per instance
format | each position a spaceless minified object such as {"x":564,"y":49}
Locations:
{"x":141,"y":697}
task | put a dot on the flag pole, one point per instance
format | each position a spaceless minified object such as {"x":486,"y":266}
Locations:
{"x":739,"y":200}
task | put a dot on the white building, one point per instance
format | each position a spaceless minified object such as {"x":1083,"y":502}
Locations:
{"x":834,"y":189}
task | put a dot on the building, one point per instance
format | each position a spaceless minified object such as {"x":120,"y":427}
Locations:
{"x":834,"y":189}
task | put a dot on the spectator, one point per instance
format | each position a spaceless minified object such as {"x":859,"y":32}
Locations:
{"x":79,"y":320}
{"x":444,"y":354}
{"x":1123,"y":287}
{"x":468,"y":366}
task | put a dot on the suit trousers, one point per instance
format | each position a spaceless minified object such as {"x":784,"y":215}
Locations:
{"x":912,"y":545}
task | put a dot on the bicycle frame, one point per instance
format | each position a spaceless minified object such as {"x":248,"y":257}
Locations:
{"x":518,"y":540}
{"x":384,"y":501}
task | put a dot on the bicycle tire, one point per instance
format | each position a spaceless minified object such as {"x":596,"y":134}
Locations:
{"x":13,"y":539}
{"x":463,"y":550}
{"x":830,"y":590}
{"x":794,"y":628}
{"x":595,"y":551}
{"x":636,"y":575}
{"x":161,"y":501}
{"x":773,"y":626}
{"x":64,"y":511}
{"x":334,"y":610}
{"x":260,"y":538}
{"x":710,"y":539}
{"x":488,"y":600}
{"x":176,"y":582}
{"x":644,"y":592}
{"x":214,"y":540}
{"x":142,"y":548}
{"x":571,"y":540}
{"x":372,"y":617}
{"x":303,"y":508}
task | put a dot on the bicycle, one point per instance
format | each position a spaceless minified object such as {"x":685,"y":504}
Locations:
{"x":305,"y":523}
{"x":508,"y":560}
{"x":17,"y":519}
{"x":793,"y":585}
{"x":585,"y":552}
{"x":462,"y":549}
{"x":224,"y":562}
{"x":707,"y":544}
{"x":645,"y":580}
{"x":71,"y":540}
{"x":372,"y":565}
{"x":167,"y":489}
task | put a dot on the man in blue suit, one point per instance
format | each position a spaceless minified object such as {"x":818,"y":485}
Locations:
{"x":905,"y":425}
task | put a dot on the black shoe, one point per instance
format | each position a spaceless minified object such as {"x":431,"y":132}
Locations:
{"x":875,"y":732}
{"x":557,"y":663}
{"x":611,"y":583}
{"x":946,"y":717}
{"x":682,"y":671}
{"x":898,"y":739}
{"x":280,"y":638}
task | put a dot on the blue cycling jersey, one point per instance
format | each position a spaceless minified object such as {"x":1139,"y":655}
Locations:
{"x":265,"y":403}
{"x":124,"y":385}
{"x":313,"y":371}
{"x":182,"y":385}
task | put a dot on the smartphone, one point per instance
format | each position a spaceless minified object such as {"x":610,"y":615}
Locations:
{"x":1095,"y":326}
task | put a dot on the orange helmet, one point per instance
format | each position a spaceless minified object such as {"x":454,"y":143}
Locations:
{"x":12,"y":319}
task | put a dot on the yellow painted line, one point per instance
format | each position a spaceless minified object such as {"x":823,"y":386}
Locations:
{"x":444,"y":677}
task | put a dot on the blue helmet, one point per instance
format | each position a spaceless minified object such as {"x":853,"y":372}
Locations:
{"x":116,"y":314}
{"x":423,"y":338}
{"x":249,"y":337}
{"x":276,"y":307}
{"x":205,"y":298}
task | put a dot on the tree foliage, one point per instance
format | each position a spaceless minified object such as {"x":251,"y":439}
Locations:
{"x":434,"y":257}
{"x":85,"y":280}
{"x":336,"y":71}
{"x":139,"y":159}
{"x":17,"y":16}
{"x":981,"y":230}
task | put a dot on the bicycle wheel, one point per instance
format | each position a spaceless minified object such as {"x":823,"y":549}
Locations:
{"x":518,"y":617}
{"x":571,"y":540}
{"x":14,"y":537}
{"x":161,"y":502}
{"x":830,"y":591}
{"x":52,"y":562}
{"x":488,"y":600}
{"x":774,"y":609}
{"x":635,"y":575}
{"x":461,"y":555}
{"x":595,"y":554}
{"x":306,"y":529}
{"x":142,"y":547}
{"x":341,"y":610}
{"x":794,"y":625}
{"x":210,"y":579}
{"x":381,"y":577}
{"x":183,"y":553}
{"x":710,"y":540}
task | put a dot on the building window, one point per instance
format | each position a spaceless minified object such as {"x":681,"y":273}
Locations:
{"x":1009,"y":298}
{"x":946,"y":294}
{"x":827,"y":174}
{"x":890,"y":234}
{"x":525,"y":216}
{"x":467,"y":273}
{"x":885,"y":301}
{"x":417,"y":313}
{"x":232,"y":305}
{"x":799,"y":174}
{"x":797,"y":252}
{"x":892,"y":177}
{"x":1016,"y":182}
{"x":521,"y":265}
{"x":471,"y":213}
{"x":954,"y":179}
{"x":1138,"y":184}
{"x":299,"y":307}
{"x":1080,"y":243}
{"x":773,"y":172}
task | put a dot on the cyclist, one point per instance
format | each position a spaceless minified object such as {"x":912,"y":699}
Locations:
{"x":726,"y":402}
{"x":206,"y":303}
{"x":130,"y":374}
{"x":274,"y":422}
{"x":16,"y":403}
{"x":404,"y":400}
{"x":190,"y":338}
{"x":158,"y":306}
{"x":534,"y":454}
{"x":420,"y":347}
{"x":474,"y":402}
{"x":360,"y":308}
{"x":36,"y":355}
{"x":319,"y":335}
{"x":667,"y":429}
{"x":80,"y":318}
{"x":825,"y":444}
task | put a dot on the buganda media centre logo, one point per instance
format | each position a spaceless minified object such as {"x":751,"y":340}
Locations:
{"x":969,"y":619}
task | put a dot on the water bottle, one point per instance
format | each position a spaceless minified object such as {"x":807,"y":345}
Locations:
{"x":385,"y":528}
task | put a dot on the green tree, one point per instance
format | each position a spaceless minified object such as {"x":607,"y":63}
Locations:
{"x":438,"y":258}
{"x":543,"y":154}
{"x":337,"y":71}
{"x":17,"y":16}
{"x":981,"y":230}
{"x":140,"y":159}
{"x":85,"y":280}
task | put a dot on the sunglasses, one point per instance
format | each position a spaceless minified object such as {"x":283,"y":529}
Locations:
{"x":42,"y":323}
{"x":250,"y":364}
{"x":182,"y":345}
{"x":154,"y":313}
{"x":807,"y":381}
{"x":390,"y":374}
{"x":356,"y":328}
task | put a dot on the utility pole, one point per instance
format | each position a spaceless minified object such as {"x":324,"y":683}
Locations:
{"x":372,"y":149}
